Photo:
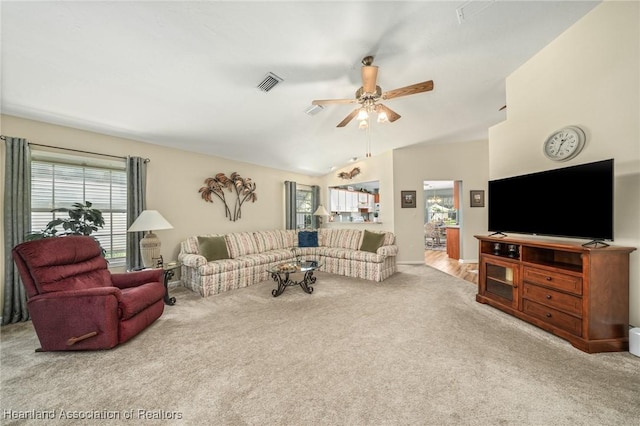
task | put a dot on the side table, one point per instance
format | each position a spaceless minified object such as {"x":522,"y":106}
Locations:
{"x":169,"y":271}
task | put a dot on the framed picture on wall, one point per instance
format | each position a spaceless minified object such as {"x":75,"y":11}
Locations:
{"x":408,"y":199}
{"x":477,"y":198}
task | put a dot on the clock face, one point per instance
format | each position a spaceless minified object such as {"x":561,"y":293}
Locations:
{"x":564,"y":144}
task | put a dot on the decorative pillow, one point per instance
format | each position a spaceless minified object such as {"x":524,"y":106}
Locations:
{"x":308,"y":239}
{"x":240,"y":244}
{"x":268,"y":240}
{"x":371,"y":241}
{"x":213,"y":248}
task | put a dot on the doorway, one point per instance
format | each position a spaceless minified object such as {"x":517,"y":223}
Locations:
{"x":440,"y":213}
{"x":443,"y":227}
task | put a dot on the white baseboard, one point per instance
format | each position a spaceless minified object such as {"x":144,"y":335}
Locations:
{"x":417,"y":262}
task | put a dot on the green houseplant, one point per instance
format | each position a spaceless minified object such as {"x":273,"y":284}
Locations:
{"x":82,"y":220}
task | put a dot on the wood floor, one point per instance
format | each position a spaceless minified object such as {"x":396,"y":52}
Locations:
{"x":438,"y":259}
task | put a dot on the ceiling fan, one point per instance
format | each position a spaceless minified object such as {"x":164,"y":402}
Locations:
{"x":369,"y":95}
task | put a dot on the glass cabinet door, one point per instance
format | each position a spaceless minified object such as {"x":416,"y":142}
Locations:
{"x":500,"y":281}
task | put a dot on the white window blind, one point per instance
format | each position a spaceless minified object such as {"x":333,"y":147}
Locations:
{"x":57,"y":184}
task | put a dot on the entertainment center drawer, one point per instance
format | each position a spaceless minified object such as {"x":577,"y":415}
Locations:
{"x":556,"y":318}
{"x":562,"y":301}
{"x":545,"y":278}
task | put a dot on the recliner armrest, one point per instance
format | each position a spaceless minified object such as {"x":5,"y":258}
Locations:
{"x":85,"y":292}
{"x":134,"y":279}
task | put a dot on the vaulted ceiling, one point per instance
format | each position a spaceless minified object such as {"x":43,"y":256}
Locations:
{"x":185,"y":74}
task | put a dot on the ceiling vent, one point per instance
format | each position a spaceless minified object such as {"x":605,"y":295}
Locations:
{"x":472,"y":8}
{"x":313,"y":109}
{"x":270,"y":81}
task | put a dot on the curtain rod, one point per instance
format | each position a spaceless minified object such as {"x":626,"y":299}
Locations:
{"x":146,"y":160}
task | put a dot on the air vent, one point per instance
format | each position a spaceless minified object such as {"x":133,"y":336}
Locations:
{"x":313,"y":109}
{"x":472,"y":8}
{"x":269,"y":82}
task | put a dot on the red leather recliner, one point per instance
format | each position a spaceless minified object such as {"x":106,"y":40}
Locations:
{"x":74,"y":301}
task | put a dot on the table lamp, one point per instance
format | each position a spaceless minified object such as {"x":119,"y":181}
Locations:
{"x":321,"y":211}
{"x":149,"y":220}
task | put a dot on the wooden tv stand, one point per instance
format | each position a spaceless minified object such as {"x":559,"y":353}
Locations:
{"x":580,"y":294}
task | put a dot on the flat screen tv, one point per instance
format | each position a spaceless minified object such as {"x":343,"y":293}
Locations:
{"x":574,"y":201}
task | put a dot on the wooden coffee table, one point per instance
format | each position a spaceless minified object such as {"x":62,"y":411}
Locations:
{"x":281,"y":274}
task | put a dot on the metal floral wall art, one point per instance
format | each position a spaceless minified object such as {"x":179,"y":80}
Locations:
{"x":349,"y":175}
{"x":244,"y":189}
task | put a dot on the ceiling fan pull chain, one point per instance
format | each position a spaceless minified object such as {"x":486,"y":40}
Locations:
{"x":368,"y":147}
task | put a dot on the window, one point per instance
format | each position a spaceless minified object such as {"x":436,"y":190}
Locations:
{"x":61,"y":180}
{"x":304,"y":207}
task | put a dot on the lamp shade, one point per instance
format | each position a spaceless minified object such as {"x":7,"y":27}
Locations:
{"x":321,"y":211}
{"x":149,"y":220}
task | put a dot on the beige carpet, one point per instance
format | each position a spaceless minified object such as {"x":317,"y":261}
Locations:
{"x":415,"y":349}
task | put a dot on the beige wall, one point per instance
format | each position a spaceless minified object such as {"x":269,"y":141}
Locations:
{"x":458,"y":161}
{"x":589,"y":76}
{"x":173,"y":180}
{"x":378,"y":168}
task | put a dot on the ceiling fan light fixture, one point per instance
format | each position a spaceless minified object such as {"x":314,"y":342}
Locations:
{"x":363,"y":114}
{"x":363,"y":124}
{"x":382,"y":117}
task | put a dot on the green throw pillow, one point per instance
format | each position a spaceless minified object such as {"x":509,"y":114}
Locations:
{"x":371,"y":241}
{"x":213,"y":248}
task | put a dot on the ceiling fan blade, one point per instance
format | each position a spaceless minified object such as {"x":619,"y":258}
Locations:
{"x":348,"y":118}
{"x":425,"y":86}
{"x":369,"y":78}
{"x":334,"y":101}
{"x":391,"y":114}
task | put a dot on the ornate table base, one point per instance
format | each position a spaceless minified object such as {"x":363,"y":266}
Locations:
{"x":283,"y":280}
{"x":169,"y":272}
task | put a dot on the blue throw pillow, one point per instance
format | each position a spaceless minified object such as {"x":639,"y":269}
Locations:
{"x":308,"y":239}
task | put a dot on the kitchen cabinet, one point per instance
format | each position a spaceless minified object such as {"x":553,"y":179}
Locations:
{"x":363,"y":202}
{"x":453,"y":242}
{"x":337,"y":200}
{"x":333,"y":200}
{"x":344,"y":201}
{"x":354,"y":202}
{"x":351,"y":201}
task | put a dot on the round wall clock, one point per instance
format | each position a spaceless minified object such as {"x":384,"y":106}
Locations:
{"x":564,"y":144}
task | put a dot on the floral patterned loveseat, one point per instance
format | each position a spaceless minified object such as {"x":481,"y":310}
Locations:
{"x":349,"y":252}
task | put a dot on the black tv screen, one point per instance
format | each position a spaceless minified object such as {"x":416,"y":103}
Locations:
{"x":574,"y":201}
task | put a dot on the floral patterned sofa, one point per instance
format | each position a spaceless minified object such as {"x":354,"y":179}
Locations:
{"x":207,"y":269}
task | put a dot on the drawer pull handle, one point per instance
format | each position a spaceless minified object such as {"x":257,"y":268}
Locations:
{"x":548,"y":315}
{"x":548,"y":297}
{"x":548,"y":278}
